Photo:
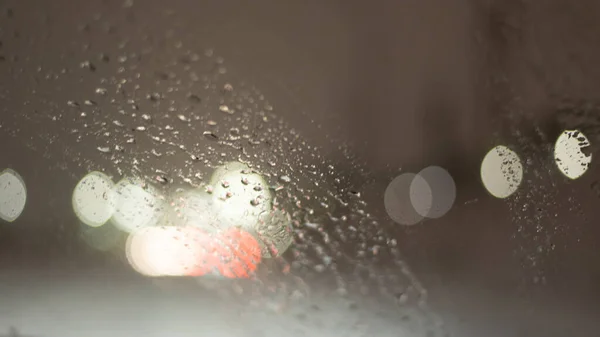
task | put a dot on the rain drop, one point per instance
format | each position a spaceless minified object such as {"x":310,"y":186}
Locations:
{"x":225,"y":108}
{"x":210,"y":135}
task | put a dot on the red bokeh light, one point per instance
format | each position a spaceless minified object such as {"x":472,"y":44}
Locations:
{"x":233,"y":253}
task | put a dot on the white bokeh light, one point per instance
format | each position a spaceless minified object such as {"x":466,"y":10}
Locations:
{"x":13,"y":195}
{"x":195,"y":209}
{"x":162,"y":251}
{"x":138,"y":205}
{"x":139,"y":249}
{"x":569,"y":155}
{"x":501,"y":172}
{"x":433,"y":192}
{"x":398,"y":203}
{"x":94,"y":199}
{"x":230,"y":167}
{"x":240,"y":196}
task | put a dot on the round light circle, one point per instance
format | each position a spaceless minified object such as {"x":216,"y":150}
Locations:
{"x":13,"y":195}
{"x":397,"y":200}
{"x":569,"y":153}
{"x":501,"y":172}
{"x":137,"y":205}
{"x":433,"y":192}
{"x":239,"y":197}
{"x":94,"y":199}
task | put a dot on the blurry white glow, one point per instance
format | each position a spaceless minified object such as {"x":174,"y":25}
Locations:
{"x":195,"y":209}
{"x":189,"y":251}
{"x":93,"y":199}
{"x":501,"y":172}
{"x":397,"y":200}
{"x":137,"y":205}
{"x":568,"y":154}
{"x":162,"y":251}
{"x":13,"y":195}
{"x":421,"y":195}
{"x":432,"y":192}
{"x":239,"y":197}
{"x":231,"y":167}
{"x":137,"y":251}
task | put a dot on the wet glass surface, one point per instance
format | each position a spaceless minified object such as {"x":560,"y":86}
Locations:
{"x":231,"y":168}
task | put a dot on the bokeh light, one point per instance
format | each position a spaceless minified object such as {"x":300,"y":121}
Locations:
{"x":224,"y":230}
{"x":501,"y":172}
{"x":94,"y":199}
{"x":398,"y":203}
{"x":570,"y":155}
{"x":190,"y":251}
{"x":194,"y":208}
{"x":433,"y":192}
{"x":240,"y":196}
{"x":144,"y":250}
{"x":13,"y":195}
{"x":138,"y":205}
{"x":239,"y":253}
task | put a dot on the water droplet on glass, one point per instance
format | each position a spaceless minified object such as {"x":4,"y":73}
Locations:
{"x":162,"y":180}
{"x":210,"y":135}
{"x":225,"y":108}
{"x":194,"y":98}
{"x":88,"y":65}
{"x":154,"y":97}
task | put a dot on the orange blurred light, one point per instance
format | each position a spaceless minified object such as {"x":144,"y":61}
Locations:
{"x":233,"y":253}
{"x":244,"y":253}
